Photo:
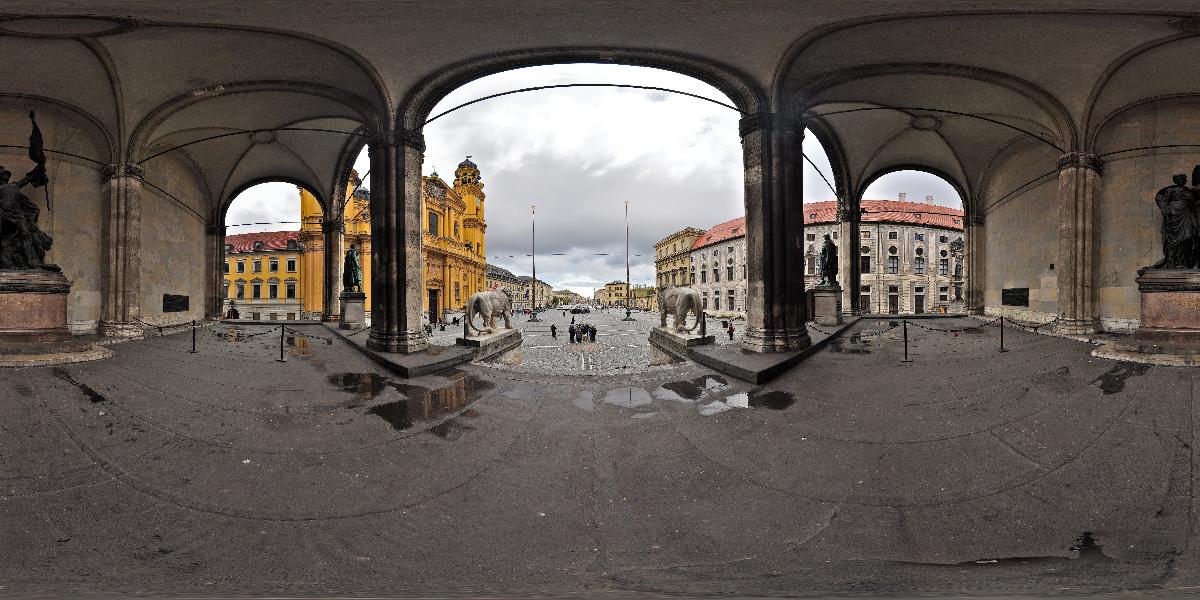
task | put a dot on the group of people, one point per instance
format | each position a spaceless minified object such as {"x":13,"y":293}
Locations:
{"x":580,"y":333}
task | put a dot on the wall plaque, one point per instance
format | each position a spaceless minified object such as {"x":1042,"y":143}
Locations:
{"x":175,"y":303}
{"x":1015,"y":297}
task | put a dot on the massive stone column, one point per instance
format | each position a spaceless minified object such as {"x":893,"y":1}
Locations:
{"x":396,"y":264}
{"x":214,"y":271}
{"x":775,"y":307}
{"x":849,"y":266}
{"x":333,"y":256}
{"x":1079,"y":176}
{"x":122,"y":250}
{"x":974,"y":250}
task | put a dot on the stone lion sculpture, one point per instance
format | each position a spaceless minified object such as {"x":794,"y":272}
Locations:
{"x":678,"y":301}
{"x":489,"y":305}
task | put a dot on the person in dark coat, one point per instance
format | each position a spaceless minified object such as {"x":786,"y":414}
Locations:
{"x":731,"y":330}
{"x":592,"y":332}
{"x":571,"y":332}
{"x":553,"y":331}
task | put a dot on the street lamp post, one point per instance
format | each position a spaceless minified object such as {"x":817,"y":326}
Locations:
{"x":628,"y":287}
{"x":533,"y":317}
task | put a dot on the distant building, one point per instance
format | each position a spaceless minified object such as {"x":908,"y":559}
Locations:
{"x":613,"y":294}
{"x":501,"y":279}
{"x":645,"y":297}
{"x":561,"y":297}
{"x":718,"y":268}
{"x":262,"y":275}
{"x":911,"y":257}
{"x":672,"y":257}
{"x":536,"y":292}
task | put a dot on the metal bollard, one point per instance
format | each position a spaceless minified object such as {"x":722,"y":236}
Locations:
{"x":282,"y":333}
{"x":1002,"y":334}
{"x":906,"y":358}
{"x":703,"y":324}
{"x":193,"y":337}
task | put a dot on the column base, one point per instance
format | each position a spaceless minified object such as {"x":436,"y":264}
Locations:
{"x":1075,"y":326}
{"x":775,"y":340}
{"x":404,"y":342}
{"x":120,"y":329}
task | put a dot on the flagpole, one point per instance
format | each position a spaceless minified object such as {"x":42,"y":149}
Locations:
{"x":533,"y":259}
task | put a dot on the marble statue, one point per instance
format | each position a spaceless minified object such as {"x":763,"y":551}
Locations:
{"x":828,"y":262}
{"x":22,"y":244}
{"x":1181,"y":223}
{"x":677,"y":301}
{"x":352,"y":275}
{"x":489,"y":305}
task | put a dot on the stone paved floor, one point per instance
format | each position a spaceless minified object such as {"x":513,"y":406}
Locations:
{"x":965,"y":471}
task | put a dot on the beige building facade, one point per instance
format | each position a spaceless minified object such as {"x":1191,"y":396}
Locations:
{"x":614,"y":293}
{"x":672,"y":257}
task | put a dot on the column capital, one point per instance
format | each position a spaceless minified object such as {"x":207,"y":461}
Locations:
{"x":332,"y":226}
{"x":973,"y":220}
{"x":1081,"y":160}
{"x":755,"y":121}
{"x":846,"y":214}
{"x":400,"y":137}
{"x":214,"y":230}
{"x":127,"y":169}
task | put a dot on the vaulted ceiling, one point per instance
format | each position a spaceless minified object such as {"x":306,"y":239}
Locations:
{"x":941,"y":85}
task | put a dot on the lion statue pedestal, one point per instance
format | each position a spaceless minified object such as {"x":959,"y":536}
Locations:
{"x":488,"y":340}
{"x":677,"y":302}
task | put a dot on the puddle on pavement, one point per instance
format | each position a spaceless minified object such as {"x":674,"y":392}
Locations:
{"x":1113,"y":381}
{"x":628,"y":397}
{"x":773,"y":400}
{"x":452,"y":429}
{"x":1084,"y":549}
{"x":585,"y":400}
{"x":66,"y":376}
{"x":419,"y":403}
{"x":691,"y":389}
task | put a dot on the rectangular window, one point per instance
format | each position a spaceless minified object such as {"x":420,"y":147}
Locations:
{"x":257,"y":266}
{"x":944,"y":294}
{"x":919,"y":266}
{"x":730,"y":300}
{"x":703,"y":276}
{"x":273,"y":290}
{"x":864,"y":264}
{"x":433,"y":223}
{"x":291,"y":316}
{"x":716,"y":274}
{"x":226,"y":266}
{"x":704,"y":300}
{"x":944,"y":266}
{"x":865,"y":234}
{"x":835,"y":235}
{"x":812,"y":265}
{"x":291,"y":265}
{"x":864,"y":304}
{"x":241,"y":290}
{"x":227,"y":290}
{"x":892,"y":235}
{"x":290,"y":289}
{"x":717,"y":300}
{"x":256,"y":291}
{"x":274,"y":266}
{"x":920,"y":237}
{"x":241,"y":266}
{"x":942,"y":239}
{"x":810,"y":237}
{"x":893,"y":265}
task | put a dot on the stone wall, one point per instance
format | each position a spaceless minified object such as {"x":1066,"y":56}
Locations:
{"x":172,"y":245}
{"x":75,"y":190}
{"x":1021,"y":231}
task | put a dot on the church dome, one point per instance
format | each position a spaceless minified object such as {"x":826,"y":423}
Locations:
{"x":467,"y":164}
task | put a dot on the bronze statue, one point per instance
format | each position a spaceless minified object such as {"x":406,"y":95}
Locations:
{"x":22,"y":244}
{"x":351,"y":271}
{"x":1180,"y":225}
{"x":829,"y":262}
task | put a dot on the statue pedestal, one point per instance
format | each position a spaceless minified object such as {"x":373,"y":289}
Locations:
{"x":1170,"y":322}
{"x":354,"y":310}
{"x":33,"y":320}
{"x":487,"y":345}
{"x":827,"y":305}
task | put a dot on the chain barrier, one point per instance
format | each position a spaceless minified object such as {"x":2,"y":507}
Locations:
{"x":879,"y":332}
{"x":958,"y":330}
{"x":1028,"y":327}
{"x":358,"y":331}
{"x":327,"y":340}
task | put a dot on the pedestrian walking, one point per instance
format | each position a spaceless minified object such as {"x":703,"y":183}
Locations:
{"x":572,"y":319}
{"x":731,"y":330}
{"x":571,"y":332}
{"x":554,"y":332}
{"x":592,"y":332}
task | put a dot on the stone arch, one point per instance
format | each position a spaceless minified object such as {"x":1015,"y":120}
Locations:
{"x":312,"y":189}
{"x":961,"y":187}
{"x":737,"y":86}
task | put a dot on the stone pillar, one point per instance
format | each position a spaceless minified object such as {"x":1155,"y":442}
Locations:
{"x":775,"y":307}
{"x":1079,"y":176}
{"x":333,"y":256}
{"x":214,"y":271}
{"x":122,"y":251}
{"x":396,"y":262}
{"x":974,"y":251}
{"x":849,"y":266}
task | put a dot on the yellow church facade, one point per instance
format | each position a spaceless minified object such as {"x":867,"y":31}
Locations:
{"x":453,"y":228}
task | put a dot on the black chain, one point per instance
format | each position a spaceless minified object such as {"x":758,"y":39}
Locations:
{"x":327,"y":340}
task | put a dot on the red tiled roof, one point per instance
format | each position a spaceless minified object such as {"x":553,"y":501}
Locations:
{"x":890,"y":211}
{"x":272,"y":240}
{"x":877,"y":211}
{"x":719,"y":233}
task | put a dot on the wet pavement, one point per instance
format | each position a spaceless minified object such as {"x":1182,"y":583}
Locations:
{"x":1041,"y":469}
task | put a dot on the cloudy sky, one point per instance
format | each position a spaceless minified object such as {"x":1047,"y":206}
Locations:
{"x":578,"y":155}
